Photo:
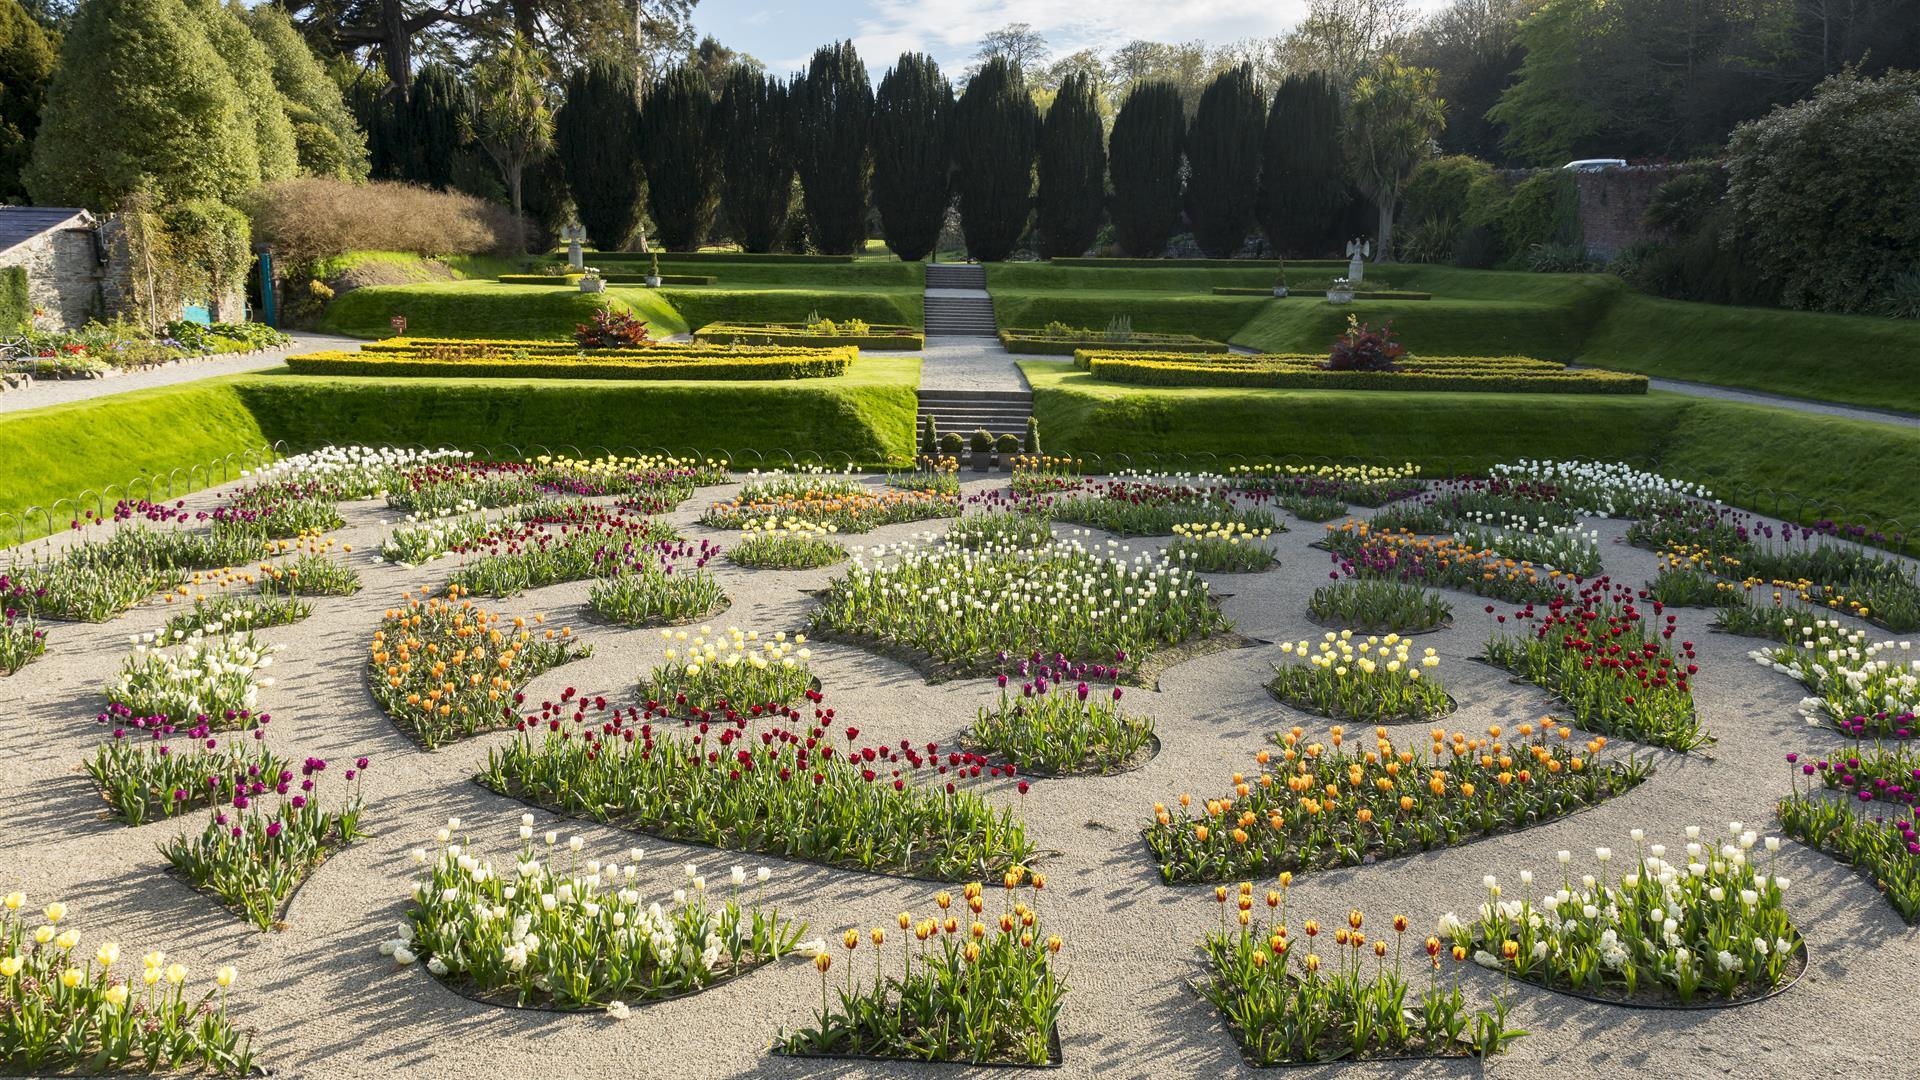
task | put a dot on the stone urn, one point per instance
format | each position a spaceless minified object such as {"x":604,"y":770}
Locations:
{"x":1279,"y":292}
{"x":1340,"y":292}
{"x":653,"y":281}
{"x":593,"y":284}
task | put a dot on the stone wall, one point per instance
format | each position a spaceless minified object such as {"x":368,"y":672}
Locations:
{"x":1613,"y":203}
{"x":63,"y":276}
{"x":123,"y":293}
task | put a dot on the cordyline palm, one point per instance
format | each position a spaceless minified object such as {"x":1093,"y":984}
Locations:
{"x":1394,"y":116}
{"x":512,"y":120}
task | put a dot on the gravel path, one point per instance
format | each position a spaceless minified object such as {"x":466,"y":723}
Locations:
{"x":1782,"y":401}
{"x":61,"y":391}
{"x":326,"y":1005}
{"x":969,"y":363}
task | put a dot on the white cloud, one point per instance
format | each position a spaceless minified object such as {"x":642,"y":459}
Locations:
{"x":951,"y":29}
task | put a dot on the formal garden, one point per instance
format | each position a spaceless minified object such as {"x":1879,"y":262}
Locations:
{"x":1073,"y":559}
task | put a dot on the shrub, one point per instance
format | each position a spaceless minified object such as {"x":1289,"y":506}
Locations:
{"x":1303,"y":176}
{"x":754,"y":117}
{"x":1559,"y":259}
{"x":952,"y":443}
{"x":1223,"y":160}
{"x":1363,"y":348}
{"x":1072,"y":170}
{"x":1439,"y":189}
{"x":311,"y":218}
{"x":596,"y":134}
{"x":16,"y":301}
{"x":682,"y":159}
{"x":981,"y":441}
{"x":612,"y":329}
{"x":1544,"y":209}
{"x":769,"y":364}
{"x":1007,"y":444}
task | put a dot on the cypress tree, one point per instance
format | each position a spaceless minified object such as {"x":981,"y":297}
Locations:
{"x":426,"y":134}
{"x":1223,"y":161}
{"x":833,"y":110}
{"x":753,"y":123}
{"x":995,"y":131}
{"x":596,"y":135}
{"x":912,"y":175}
{"x":140,"y":94}
{"x":263,"y":110}
{"x":1303,"y":175}
{"x":682,"y":165}
{"x":1144,"y":160}
{"x":1073,"y":170}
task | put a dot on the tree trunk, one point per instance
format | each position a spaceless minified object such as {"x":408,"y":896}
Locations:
{"x":396,"y":45}
{"x":514,"y":185}
{"x":1383,"y":238}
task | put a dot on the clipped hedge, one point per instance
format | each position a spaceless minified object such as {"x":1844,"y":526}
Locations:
{"x":16,"y":298}
{"x":1125,"y":263}
{"x":1490,"y":374}
{"x":718,"y":256}
{"x":418,"y":347}
{"x":880,"y":337}
{"x":1358,"y":294}
{"x":658,"y":364}
{"x":555,"y":280}
{"x":1039,"y":343}
{"x":665,"y":279}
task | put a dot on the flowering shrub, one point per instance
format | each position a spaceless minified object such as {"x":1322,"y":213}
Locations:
{"x":1325,"y":808}
{"x":1378,"y":605}
{"x":966,"y":608}
{"x":611,"y":329}
{"x":61,"y":1013}
{"x":649,"y":587}
{"x":198,"y":674}
{"x":1369,"y":679}
{"x":1858,"y":687}
{"x":1288,"y":1003}
{"x":761,"y":778}
{"x":1363,"y":551}
{"x":1143,"y":507}
{"x":144,"y":772}
{"x":786,"y":544}
{"x":446,"y":670}
{"x":1058,"y":724}
{"x":1660,"y":931}
{"x":252,"y":858}
{"x":1596,"y":652}
{"x":965,"y":991}
{"x":1221,"y":547}
{"x":736,"y":668}
{"x":21,"y":640}
{"x":581,"y":937}
{"x":1363,"y":348}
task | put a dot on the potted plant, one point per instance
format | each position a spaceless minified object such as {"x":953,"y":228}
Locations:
{"x":1280,"y":281}
{"x":952,"y":443}
{"x":1005,"y":447}
{"x":982,"y":450}
{"x":591,"y":281}
{"x":653,"y":272}
{"x":1340,"y":292}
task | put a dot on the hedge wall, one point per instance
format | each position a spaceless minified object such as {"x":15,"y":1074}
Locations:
{"x":882,"y":337}
{"x":814,"y":364}
{"x":1499,"y":375}
{"x":1036,"y":343}
{"x":16,"y":300}
{"x":717,"y":256}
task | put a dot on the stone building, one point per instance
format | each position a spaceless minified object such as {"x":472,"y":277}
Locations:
{"x":60,"y":249}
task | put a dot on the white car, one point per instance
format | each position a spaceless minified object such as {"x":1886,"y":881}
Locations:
{"x":1595,"y":164}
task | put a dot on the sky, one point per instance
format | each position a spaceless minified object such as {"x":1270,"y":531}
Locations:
{"x":784,"y":33}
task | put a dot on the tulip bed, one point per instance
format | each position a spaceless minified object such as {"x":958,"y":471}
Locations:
{"x":1597,"y":652}
{"x":650,"y":587}
{"x":969,"y":609}
{"x":445,"y":670}
{"x":1217,"y":547}
{"x":1003,"y":529}
{"x":1860,"y":688}
{"x":1443,"y":562}
{"x":197,"y":675}
{"x":850,"y":512}
{"x":1324,"y":808}
{"x":21,"y":640}
{"x":1379,"y":605}
{"x":1060,"y":723}
{"x":1884,"y":847}
{"x":1037,"y":474}
{"x":152,"y":768}
{"x":97,"y":579}
{"x":567,"y":542}
{"x":1371,"y":679}
{"x":1361,"y":485}
{"x":790,"y":544}
{"x":252,"y":858}
{"x":1287,"y":1003}
{"x":1143,"y":507}
{"x":63,"y":1010}
{"x":762,"y":778}
{"x":736,"y":668}
{"x":966,"y":991}
{"x":535,"y":932}
{"x":1661,"y":931}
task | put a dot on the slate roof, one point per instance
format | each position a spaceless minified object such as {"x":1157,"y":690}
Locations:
{"x":19,"y":224}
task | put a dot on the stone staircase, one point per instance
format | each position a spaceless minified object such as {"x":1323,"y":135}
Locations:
{"x":957,"y":304}
{"x":999,"y":411}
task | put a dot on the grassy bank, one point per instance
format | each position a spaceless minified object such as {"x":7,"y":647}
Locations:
{"x":1748,"y":453}
{"x":699,"y":305}
{"x":488,"y":309}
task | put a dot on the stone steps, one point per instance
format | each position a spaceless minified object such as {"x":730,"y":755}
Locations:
{"x":999,"y":411}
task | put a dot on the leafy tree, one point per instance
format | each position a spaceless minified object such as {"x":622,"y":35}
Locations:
{"x":1223,"y":161}
{"x":1143,"y":157}
{"x":1073,"y":170}
{"x":1816,"y":188}
{"x":1187,"y":66}
{"x":140,"y":96}
{"x":511,"y":119}
{"x":1303,"y":176}
{"x":995,"y":129}
{"x":327,"y":140}
{"x":1343,"y":39}
{"x":26,"y":66}
{"x":1017,"y":43}
{"x":1475,"y":46}
{"x":1391,"y":123}
{"x":912,"y":126}
{"x":753,"y":123}
{"x":677,"y":144}
{"x":833,"y":110}
{"x":717,"y":62}
{"x":270,"y":132}
{"x":434,"y":125}
{"x":596,"y":135}
{"x":1395,"y":115}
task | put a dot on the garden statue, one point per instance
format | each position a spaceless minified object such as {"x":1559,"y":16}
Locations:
{"x":573,"y":234}
{"x":1357,"y":251}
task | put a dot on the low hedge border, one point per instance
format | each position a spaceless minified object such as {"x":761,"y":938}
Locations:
{"x":1033,"y":342}
{"x":881,"y":337}
{"x":1478,"y":375}
{"x":1317,"y":291}
{"x":1158,"y":264}
{"x":1083,"y":358}
{"x":573,"y":280}
{"x":812,"y":364}
{"x":555,"y":280}
{"x":774,"y":257}
{"x":415,"y":348}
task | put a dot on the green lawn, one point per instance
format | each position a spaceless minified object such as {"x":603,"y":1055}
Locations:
{"x":488,"y":309}
{"x":702,"y":304}
{"x":1749,"y":454}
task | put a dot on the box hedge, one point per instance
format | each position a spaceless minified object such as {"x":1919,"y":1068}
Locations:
{"x":880,"y":337}
{"x":1317,"y":291}
{"x":1494,"y":374}
{"x":773,"y":257}
{"x":659,"y":364}
{"x":1040,"y":343}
